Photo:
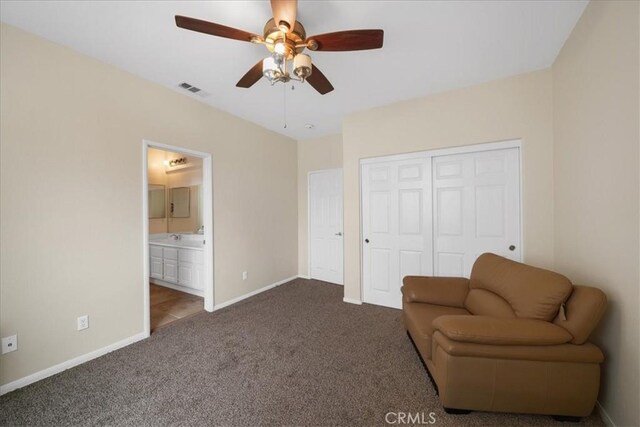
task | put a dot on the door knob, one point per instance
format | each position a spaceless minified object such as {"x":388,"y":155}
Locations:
{"x":339,"y":233}
{"x":512,"y":248}
{"x":366,"y":240}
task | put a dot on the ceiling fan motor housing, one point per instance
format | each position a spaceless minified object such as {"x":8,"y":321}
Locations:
{"x":294,"y":41}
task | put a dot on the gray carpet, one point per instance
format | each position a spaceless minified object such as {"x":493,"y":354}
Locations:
{"x":295,"y":355}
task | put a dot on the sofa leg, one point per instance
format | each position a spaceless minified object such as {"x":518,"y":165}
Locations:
{"x":566,"y":418}
{"x":455,"y":411}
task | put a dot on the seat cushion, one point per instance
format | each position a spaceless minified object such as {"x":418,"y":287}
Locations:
{"x":418,"y":319}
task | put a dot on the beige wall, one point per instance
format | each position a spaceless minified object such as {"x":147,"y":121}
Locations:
{"x":313,"y":154}
{"x":71,"y":131}
{"x":596,"y":127}
{"x":517,"y":107}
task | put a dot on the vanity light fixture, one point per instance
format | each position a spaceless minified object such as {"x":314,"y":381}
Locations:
{"x":176,"y":162}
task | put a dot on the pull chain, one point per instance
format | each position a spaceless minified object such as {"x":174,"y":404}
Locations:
{"x":284,"y":93}
{"x":284,"y":102}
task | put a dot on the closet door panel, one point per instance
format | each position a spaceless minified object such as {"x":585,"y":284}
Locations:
{"x":396,"y":219}
{"x":477,"y":208}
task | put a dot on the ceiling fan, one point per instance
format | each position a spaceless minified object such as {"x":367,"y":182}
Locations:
{"x":285,"y":38}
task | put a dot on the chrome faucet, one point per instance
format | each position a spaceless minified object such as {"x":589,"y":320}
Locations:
{"x":175,"y":236}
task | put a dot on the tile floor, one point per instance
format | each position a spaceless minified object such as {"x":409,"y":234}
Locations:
{"x":169,"y":305}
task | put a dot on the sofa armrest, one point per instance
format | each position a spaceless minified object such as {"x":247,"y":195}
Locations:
{"x":584,"y":353}
{"x":501,"y":331}
{"x":582,"y":312}
{"x":447,"y":291}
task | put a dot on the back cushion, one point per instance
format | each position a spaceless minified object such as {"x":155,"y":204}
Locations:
{"x":485,"y":303}
{"x":531,"y":292}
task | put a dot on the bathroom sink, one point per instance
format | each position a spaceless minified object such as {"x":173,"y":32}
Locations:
{"x":195,"y":241}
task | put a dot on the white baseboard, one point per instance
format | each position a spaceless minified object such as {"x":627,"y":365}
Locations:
{"x":250,"y":294}
{"x":304,"y":277}
{"x":184,"y":289}
{"x":40,"y":375}
{"x":352,"y":301}
{"x":604,"y":415}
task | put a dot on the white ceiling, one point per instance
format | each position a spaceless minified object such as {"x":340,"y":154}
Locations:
{"x":429,"y":47}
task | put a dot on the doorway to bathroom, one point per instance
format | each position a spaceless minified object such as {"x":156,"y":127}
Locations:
{"x":178,"y":234}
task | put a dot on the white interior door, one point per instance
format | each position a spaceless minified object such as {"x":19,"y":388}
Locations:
{"x":396,"y":225}
{"x":476,"y":208}
{"x":325,"y":226}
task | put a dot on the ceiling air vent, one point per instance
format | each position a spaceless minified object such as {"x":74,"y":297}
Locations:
{"x":192,"y":89}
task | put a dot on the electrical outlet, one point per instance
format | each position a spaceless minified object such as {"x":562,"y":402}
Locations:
{"x":245,"y":275}
{"x":9,"y":344}
{"x":83,"y":322}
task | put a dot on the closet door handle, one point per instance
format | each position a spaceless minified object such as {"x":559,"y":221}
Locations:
{"x":366,"y":240}
{"x":339,"y":233}
{"x":512,"y":248}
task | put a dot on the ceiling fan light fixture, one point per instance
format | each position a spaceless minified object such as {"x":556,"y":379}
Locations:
{"x":302,"y":66}
{"x":280,"y":48}
{"x":270,"y":69}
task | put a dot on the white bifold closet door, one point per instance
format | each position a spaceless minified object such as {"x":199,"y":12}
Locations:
{"x":434,"y":215}
{"x":396,"y":203}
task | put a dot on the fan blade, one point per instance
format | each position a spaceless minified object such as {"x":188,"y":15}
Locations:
{"x":252,"y":76}
{"x":319,"y":81}
{"x":347,"y":40}
{"x":285,"y":10}
{"x":207,"y":27}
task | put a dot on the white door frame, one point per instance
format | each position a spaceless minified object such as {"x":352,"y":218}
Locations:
{"x":207,"y":211}
{"x":473,"y":148}
{"x":309,"y":218}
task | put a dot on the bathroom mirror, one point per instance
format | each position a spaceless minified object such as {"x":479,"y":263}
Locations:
{"x":193,"y":222}
{"x":156,"y":201}
{"x":179,"y":202}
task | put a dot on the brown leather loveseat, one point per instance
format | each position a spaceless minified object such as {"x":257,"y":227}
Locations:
{"x":512,"y":338}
